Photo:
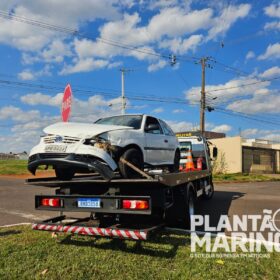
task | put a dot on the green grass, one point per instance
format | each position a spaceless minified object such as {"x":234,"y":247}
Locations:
{"x":239,"y":177}
{"x":27,"y":254}
{"x":10,"y":167}
{"x":14,"y":167}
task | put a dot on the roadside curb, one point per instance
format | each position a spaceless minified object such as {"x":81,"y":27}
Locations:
{"x":15,"y":225}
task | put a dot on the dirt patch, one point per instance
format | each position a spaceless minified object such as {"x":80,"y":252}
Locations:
{"x":40,"y":174}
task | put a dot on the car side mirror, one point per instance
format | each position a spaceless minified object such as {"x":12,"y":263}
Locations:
{"x":215,"y":152}
{"x":151,"y":127}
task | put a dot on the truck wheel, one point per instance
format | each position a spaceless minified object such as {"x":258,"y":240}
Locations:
{"x":175,"y":167}
{"x":135,"y":157}
{"x":209,"y":194}
{"x":179,"y":215}
{"x":188,"y":210}
{"x":64,"y":174}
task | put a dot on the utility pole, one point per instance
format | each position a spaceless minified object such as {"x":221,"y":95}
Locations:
{"x":123,"y":95}
{"x":204,"y":64}
{"x":123,"y":71}
{"x":202,"y":99}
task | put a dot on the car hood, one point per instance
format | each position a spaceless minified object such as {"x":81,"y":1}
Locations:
{"x":81,"y":130}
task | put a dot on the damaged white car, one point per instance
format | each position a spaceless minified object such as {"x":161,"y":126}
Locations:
{"x":72,"y":148}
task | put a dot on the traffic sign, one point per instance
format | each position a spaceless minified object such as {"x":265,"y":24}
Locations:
{"x":66,"y":104}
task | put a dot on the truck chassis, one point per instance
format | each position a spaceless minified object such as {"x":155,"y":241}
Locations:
{"x":169,"y":200}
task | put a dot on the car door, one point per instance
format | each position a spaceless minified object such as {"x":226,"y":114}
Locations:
{"x":171,"y":143}
{"x":156,"y":142}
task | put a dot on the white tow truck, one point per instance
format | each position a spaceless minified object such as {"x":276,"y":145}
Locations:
{"x":129,"y":208}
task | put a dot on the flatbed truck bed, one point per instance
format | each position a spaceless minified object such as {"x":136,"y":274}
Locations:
{"x":166,"y":197}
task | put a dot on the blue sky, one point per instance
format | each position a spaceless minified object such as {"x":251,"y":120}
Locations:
{"x":241,"y":38}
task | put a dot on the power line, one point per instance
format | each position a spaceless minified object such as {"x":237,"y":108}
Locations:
{"x":243,"y":85}
{"x":147,"y":98}
{"x":84,"y":92}
{"x":74,"y":32}
{"x":245,"y":116}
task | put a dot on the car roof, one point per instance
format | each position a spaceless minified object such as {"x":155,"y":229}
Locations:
{"x":130,"y":115}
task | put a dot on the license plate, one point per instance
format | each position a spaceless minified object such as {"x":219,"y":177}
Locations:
{"x":56,"y":148}
{"x":89,"y":202}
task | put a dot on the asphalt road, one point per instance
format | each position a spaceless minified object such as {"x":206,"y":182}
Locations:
{"x":17,"y":201}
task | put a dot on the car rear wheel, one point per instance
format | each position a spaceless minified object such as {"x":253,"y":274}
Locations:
{"x":64,"y":174}
{"x":135,"y":157}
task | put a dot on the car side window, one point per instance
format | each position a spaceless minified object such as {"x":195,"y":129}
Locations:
{"x":152,"y":126}
{"x":166,"y":129}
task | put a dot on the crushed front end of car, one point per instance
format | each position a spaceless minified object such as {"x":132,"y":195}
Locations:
{"x":78,"y":153}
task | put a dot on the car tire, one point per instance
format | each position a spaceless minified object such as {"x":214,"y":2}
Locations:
{"x":64,"y":174}
{"x":135,"y":157}
{"x":175,"y":167}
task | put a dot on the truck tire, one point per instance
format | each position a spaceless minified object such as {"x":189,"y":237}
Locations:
{"x":210,"y":193}
{"x":179,"y":215}
{"x":135,"y":157}
{"x":175,"y":167}
{"x":64,"y":174}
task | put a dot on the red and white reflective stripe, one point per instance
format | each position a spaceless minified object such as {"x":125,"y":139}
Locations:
{"x":94,"y":231}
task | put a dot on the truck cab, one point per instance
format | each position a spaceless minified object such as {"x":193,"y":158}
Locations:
{"x":197,"y":146}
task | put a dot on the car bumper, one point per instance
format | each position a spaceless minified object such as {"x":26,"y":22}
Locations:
{"x":75,"y":161}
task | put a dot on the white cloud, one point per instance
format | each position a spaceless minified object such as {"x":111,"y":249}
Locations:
{"x":178,"y":111}
{"x":84,"y":65}
{"x":56,"y":51}
{"x":249,"y":132}
{"x":173,"y":22}
{"x":69,"y":13}
{"x":247,"y":94}
{"x":224,"y":128}
{"x":272,"y":52}
{"x":181,"y":46}
{"x":115,"y":64}
{"x":262,"y":91}
{"x":176,"y":22}
{"x":275,"y":25}
{"x":42,"y":99}
{"x":232,"y":89}
{"x":227,"y":18}
{"x":179,"y":126}
{"x":128,"y":31}
{"x":18,"y":115}
{"x":28,"y":74}
{"x":156,"y":66}
{"x":159,"y":4}
{"x":94,"y":107}
{"x":257,"y":104}
{"x":271,"y":72}
{"x":28,"y":125}
{"x":250,"y":55}
{"x":158,"y":110}
{"x":273,"y":10}
{"x":267,"y":134}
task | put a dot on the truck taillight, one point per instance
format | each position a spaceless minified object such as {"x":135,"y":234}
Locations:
{"x":51,"y":202}
{"x":135,"y":204}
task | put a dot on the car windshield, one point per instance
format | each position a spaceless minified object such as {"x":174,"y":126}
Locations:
{"x":127,"y":120}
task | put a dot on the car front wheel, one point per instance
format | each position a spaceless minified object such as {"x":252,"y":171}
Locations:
{"x":135,"y":157}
